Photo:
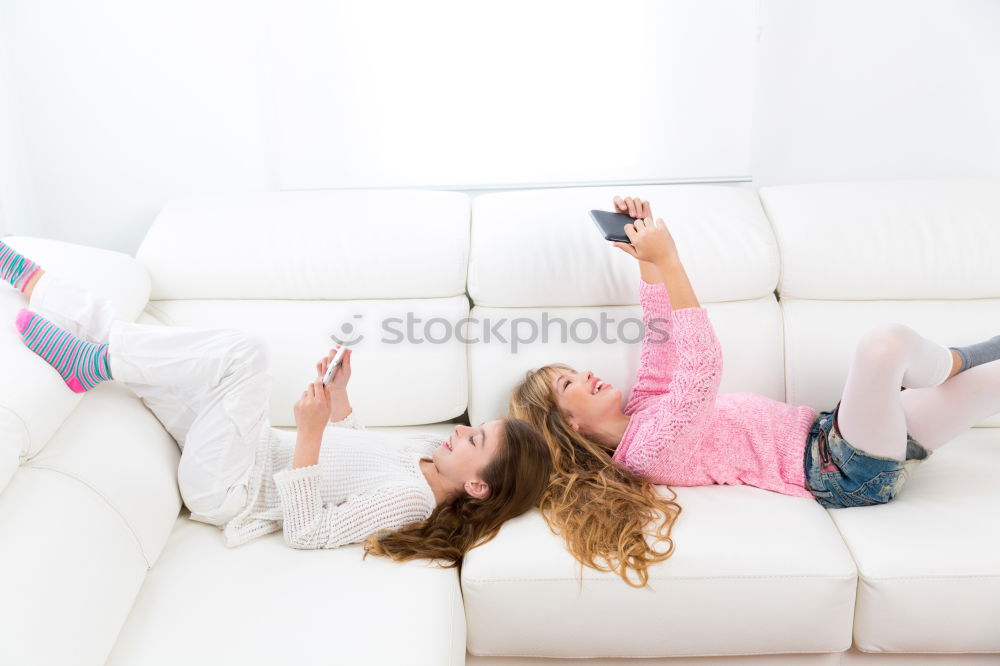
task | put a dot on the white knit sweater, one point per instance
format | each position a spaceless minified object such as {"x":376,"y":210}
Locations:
{"x":365,"y":481}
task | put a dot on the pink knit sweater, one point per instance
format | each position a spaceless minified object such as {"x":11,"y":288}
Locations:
{"x":683,"y":432}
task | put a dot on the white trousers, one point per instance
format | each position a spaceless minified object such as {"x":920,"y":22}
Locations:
{"x":210,"y":388}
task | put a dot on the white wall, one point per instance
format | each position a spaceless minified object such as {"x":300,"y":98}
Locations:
{"x":108,"y":108}
{"x":453,"y":94}
{"x":877,"y":89}
{"x":124,"y":105}
{"x":16,"y":191}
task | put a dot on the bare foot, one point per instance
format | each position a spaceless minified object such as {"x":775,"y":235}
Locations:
{"x":955,"y":364}
{"x":30,"y":287}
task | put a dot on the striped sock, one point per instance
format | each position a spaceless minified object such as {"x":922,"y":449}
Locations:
{"x":16,"y":268}
{"x":82,"y":364}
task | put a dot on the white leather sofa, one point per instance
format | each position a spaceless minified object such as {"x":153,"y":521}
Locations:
{"x":101,"y":564}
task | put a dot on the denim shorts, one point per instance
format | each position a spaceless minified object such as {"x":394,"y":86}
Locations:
{"x":840,"y":475}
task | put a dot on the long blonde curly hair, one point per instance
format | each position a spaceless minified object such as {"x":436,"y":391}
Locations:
{"x":599,"y":507}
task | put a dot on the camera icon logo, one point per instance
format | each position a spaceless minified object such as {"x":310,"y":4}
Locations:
{"x":346,"y":331}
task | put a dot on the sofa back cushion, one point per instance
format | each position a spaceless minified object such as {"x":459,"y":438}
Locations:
{"x":858,"y":255}
{"x":382,"y":270}
{"x":540,"y":248}
{"x":541,"y":274}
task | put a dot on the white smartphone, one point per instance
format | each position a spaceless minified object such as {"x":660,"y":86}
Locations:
{"x":337,"y":358}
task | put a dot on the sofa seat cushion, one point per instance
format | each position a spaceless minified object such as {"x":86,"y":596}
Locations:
{"x":81,"y":523}
{"x":928,"y":563}
{"x":754,"y":572}
{"x":266,"y":603}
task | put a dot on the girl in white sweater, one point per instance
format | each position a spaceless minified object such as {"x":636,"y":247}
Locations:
{"x":323,"y":487}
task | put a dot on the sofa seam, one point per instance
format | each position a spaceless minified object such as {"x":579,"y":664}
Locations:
{"x":97,"y":492}
{"x":21,"y":455}
{"x":853,"y":576}
{"x":930,"y":652}
{"x":661,"y":656}
{"x":939,"y":577}
{"x":451,"y":634}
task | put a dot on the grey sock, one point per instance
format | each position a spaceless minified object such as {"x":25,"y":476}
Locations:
{"x":979,"y":353}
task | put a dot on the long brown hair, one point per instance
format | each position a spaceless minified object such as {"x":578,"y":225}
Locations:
{"x":600,"y":508}
{"x":517,"y":476}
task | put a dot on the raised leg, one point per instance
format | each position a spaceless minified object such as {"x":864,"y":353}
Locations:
{"x":72,"y":307}
{"x":871,"y":416}
{"x":937,"y":414}
{"x":211,"y":389}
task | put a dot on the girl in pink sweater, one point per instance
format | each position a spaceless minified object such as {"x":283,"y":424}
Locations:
{"x":677,"y":429}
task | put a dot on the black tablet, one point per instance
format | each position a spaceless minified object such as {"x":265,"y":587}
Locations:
{"x":612,"y":225}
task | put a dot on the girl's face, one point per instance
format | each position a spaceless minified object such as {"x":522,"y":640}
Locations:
{"x":466,"y":452}
{"x":584,"y":399}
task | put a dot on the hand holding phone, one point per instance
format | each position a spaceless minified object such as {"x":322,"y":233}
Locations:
{"x":334,"y":382}
{"x":338,"y":357}
{"x":627,"y":211}
{"x":612,"y":225}
{"x":650,"y":241}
